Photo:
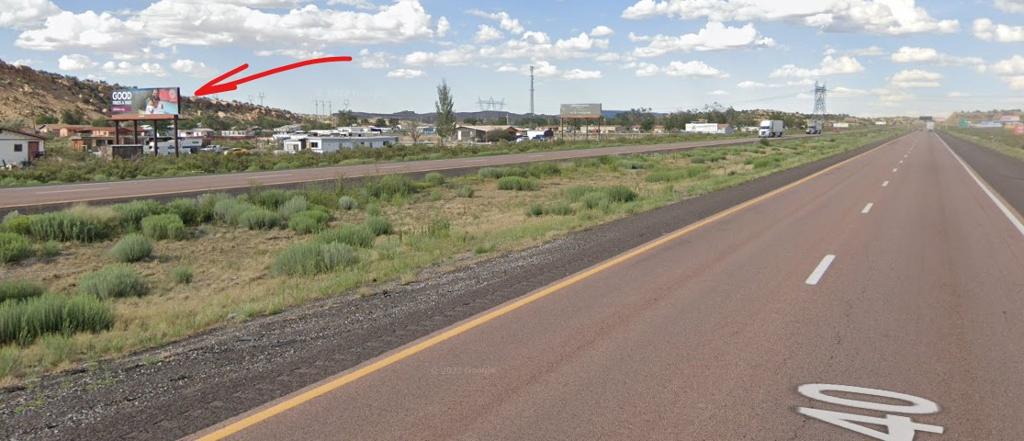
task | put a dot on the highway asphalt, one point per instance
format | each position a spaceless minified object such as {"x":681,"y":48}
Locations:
{"x":896,"y":271}
{"x":66,"y":194}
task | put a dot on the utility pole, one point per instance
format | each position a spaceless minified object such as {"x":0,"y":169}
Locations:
{"x":531,"y":91}
{"x":261,"y":95}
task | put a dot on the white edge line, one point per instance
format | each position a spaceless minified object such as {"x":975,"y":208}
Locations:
{"x":885,"y":184}
{"x":819,"y":272}
{"x":991,"y":195}
{"x":867,"y":208}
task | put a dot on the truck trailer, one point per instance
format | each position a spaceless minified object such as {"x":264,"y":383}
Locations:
{"x":771,"y":128}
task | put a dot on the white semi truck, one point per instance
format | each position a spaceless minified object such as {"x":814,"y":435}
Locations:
{"x":771,"y":128}
{"x":814,"y":127}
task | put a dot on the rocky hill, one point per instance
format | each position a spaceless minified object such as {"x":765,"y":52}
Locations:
{"x":27,"y":94}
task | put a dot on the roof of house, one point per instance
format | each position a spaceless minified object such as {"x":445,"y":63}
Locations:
{"x":486,"y":128}
{"x":30,"y":135}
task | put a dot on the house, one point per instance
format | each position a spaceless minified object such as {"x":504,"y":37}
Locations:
{"x":63,"y":130}
{"x":19,"y":148}
{"x":89,"y":138}
{"x":1010,"y":121}
{"x":479,"y":133}
{"x":199,"y":132}
{"x":290,"y":128}
{"x":243,"y":133}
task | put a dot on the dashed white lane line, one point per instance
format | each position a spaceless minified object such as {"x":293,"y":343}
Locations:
{"x":995,"y":199}
{"x":819,"y":272}
{"x":895,"y":170}
{"x":901,"y":162}
{"x":867,"y":208}
{"x":885,"y":184}
{"x":72,"y":190}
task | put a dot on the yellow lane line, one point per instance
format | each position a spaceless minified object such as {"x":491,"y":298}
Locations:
{"x":408,"y":351}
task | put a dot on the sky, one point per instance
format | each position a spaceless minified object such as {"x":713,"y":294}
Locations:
{"x":878,"y":58}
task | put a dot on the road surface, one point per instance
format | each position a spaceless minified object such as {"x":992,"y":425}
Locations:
{"x":895,"y":271}
{"x":65,"y":194}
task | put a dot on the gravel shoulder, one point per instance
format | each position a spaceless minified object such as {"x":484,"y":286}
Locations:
{"x":173,"y":391}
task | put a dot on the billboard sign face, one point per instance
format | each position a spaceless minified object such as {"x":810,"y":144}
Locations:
{"x":581,"y":111}
{"x":150,"y":103}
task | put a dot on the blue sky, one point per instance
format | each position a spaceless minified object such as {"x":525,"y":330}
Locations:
{"x":885,"y":57}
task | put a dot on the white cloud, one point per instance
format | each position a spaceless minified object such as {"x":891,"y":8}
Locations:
{"x":608,"y":57}
{"x":487,"y":33}
{"x":601,"y":31}
{"x":167,"y":23}
{"x":505,"y":21}
{"x":449,"y":57}
{"x":829,"y":66}
{"x":1012,"y":6}
{"x":23,"y":14}
{"x":405,"y":73}
{"x":986,"y":30}
{"x":74,"y":62}
{"x":693,"y":69}
{"x":192,"y":67}
{"x":718,"y":92}
{"x":714,"y":36}
{"x":542,"y":69}
{"x":581,"y":42}
{"x":443,"y":26}
{"x":373,"y":60}
{"x":890,"y":17}
{"x":128,"y":68}
{"x":580,"y":74}
{"x":298,"y":54}
{"x":845,"y":92}
{"x":22,"y":62}
{"x":915,"y":78}
{"x":871,"y":51}
{"x":646,"y":69}
{"x":956,"y":94}
{"x":358,"y":4}
{"x":928,"y":55}
{"x":1011,"y":71}
{"x":751,"y":85}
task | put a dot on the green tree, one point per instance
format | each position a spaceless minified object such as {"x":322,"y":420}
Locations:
{"x":445,"y":108}
{"x":68,"y":116}
{"x":46,"y":119}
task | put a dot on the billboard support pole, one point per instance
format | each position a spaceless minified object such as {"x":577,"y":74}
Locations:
{"x":177,"y":153}
{"x":135,"y":131}
{"x":156,"y":144}
{"x":117,"y":132}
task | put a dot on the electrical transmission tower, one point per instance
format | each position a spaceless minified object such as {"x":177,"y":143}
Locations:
{"x":820,"y":91}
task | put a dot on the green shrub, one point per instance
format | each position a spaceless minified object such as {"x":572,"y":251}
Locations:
{"x":620,"y":193}
{"x":19,"y":289}
{"x":259,"y":218}
{"x":49,"y":249}
{"x":14,"y":247}
{"x":576,"y":192}
{"x":764,"y":142}
{"x":465,"y":191}
{"x":132,"y":213}
{"x":379,"y":226}
{"x":633,"y":165}
{"x":132,"y":248}
{"x":230,"y":211}
{"x":312,"y":258}
{"x":434,"y":179}
{"x":559,"y":209}
{"x":688,"y":172}
{"x":206,"y":204}
{"x":438,"y":227}
{"x":596,"y":199}
{"x":390,"y":186}
{"x":698,"y":160}
{"x":271,"y":199}
{"x":516,"y":183}
{"x":355,"y":235}
{"x":501,"y":172}
{"x":64,"y":226}
{"x":187,"y":210}
{"x":373,"y":210}
{"x":114,"y":281}
{"x":294,"y":205}
{"x":309,"y":221}
{"x":164,"y":227}
{"x":182,"y":275}
{"x":24,"y":321}
{"x":543,"y":169}
{"x":87,"y":313}
{"x":347,"y":203}
{"x":535,"y":210}
{"x":17,"y":223}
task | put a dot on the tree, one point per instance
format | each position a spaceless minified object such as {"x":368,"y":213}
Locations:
{"x":380,"y":122}
{"x":68,"y":116}
{"x":46,"y":119}
{"x":412,"y":127}
{"x":445,"y":108}
{"x":100,"y":122}
{"x":346,"y":118}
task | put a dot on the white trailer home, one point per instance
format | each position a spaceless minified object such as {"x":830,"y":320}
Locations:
{"x":19,"y":148}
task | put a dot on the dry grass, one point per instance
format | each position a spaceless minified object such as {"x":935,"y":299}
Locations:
{"x":232,"y":280}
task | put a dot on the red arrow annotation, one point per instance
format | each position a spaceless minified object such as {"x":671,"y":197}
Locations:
{"x":215,"y":85}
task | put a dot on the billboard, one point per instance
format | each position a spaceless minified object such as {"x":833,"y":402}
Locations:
{"x":581,"y":111}
{"x":148,"y":103}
